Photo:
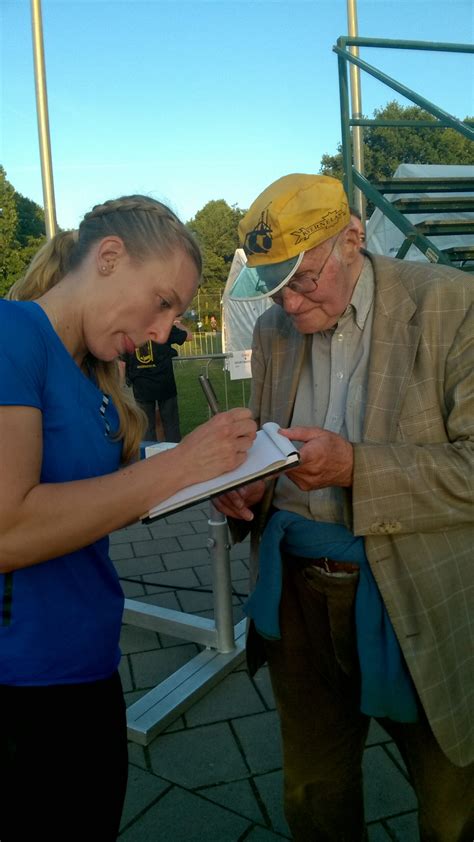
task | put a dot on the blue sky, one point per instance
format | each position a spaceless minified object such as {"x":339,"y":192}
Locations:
{"x":192,"y":100}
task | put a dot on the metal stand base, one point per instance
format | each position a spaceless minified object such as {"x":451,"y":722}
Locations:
{"x":159,"y":707}
{"x":162,"y":705}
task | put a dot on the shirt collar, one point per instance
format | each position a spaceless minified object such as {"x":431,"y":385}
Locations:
{"x":363,"y":295}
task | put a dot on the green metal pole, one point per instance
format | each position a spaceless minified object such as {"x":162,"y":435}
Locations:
{"x":449,"y":120}
{"x":345,"y":130}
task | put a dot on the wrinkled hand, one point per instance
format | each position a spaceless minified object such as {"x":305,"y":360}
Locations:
{"x":219,"y":445}
{"x":237,"y":503}
{"x":326,"y":459}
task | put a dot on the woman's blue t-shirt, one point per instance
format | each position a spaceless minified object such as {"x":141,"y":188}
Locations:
{"x":60,"y":619}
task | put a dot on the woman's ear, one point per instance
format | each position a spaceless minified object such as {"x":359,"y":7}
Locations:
{"x":109,"y":252}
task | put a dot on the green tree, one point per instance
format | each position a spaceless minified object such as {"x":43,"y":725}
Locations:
{"x":31,"y":223}
{"x":21,"y":232}
{"x":10,"y":261}
{"x":386,"y":148}
{"x":215,"y":228}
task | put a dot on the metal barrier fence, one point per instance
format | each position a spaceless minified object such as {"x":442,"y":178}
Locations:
{"x":205,"y":342}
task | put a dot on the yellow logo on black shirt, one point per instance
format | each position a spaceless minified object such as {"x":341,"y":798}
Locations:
{"x":144,"y":354}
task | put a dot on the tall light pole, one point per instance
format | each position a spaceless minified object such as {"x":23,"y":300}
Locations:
{"x":43,"y":121}
{"x":356,"y":105}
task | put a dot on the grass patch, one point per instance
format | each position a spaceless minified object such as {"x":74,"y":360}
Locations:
{"x":193,"y":408}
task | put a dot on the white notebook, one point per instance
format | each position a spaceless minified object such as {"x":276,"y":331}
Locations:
{"x":270,"y":453}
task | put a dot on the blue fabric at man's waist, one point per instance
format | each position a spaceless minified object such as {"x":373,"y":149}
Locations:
{"x":386,"y":686}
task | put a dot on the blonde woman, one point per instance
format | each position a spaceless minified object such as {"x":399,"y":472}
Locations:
{"x":69,"y":435}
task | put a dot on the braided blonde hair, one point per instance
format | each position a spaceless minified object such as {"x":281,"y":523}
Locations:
{"x":148,"y":229}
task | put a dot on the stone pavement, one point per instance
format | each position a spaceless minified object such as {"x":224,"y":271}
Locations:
{"x":214,"y":775}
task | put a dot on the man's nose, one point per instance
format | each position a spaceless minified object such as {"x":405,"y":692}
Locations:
{"x":291,"y":300}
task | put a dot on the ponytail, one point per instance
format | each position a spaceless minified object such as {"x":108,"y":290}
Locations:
{"x":47,"y":267}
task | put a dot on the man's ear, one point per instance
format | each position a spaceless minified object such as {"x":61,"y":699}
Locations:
{"x":109,"y":252}
{"x":351,"y":242}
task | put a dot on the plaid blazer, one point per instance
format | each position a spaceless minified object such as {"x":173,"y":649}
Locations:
{"x":412,"y":495}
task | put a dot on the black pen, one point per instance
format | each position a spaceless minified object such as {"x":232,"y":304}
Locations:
{"x":210,"y":394}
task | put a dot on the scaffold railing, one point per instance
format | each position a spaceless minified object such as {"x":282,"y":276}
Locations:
{"x":416,"y":234}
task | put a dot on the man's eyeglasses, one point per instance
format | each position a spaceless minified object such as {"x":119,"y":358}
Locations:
{"x":306,"y":285}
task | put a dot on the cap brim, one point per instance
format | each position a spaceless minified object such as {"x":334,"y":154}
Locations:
{"x":264,"y":281}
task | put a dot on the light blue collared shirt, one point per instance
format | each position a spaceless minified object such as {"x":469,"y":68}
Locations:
{"x":332,"y":394}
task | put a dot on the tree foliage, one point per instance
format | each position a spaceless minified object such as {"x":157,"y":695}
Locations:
{"x":22,"y":232}
{"x":387,"y":147}
{"x":215,"y":228}
{"x":30,"y":220}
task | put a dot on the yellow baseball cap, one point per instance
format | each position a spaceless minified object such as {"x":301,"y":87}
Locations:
{"x":294,"y":214}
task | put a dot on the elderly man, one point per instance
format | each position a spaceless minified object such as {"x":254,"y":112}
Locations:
{"x":362,"y":601}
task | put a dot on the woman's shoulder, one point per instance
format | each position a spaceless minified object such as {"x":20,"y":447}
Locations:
{"x":23,"y":329}
{"x":19,"y":312}
{"x":22,"y":316}
{"x":23,"y":353}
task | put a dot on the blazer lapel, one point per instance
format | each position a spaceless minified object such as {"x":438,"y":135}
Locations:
{"x":392,"y":355}
{"x":287,"y":365}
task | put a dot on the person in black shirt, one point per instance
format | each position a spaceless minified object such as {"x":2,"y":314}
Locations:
{"x":150,"y":373}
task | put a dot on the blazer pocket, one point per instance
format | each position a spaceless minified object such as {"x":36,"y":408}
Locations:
{"x":424,"y":427}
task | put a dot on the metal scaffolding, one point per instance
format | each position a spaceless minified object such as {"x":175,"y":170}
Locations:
{"x":354,"y":178}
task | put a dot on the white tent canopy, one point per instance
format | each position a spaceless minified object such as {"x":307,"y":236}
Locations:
{"x":239,"y":317}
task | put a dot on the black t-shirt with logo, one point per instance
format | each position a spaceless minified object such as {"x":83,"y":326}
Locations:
{"x":150,"y":369}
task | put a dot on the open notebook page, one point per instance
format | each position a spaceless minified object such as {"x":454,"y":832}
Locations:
{"x":270,"y":452}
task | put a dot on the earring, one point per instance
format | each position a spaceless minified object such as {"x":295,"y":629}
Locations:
{"x":107,"y":268}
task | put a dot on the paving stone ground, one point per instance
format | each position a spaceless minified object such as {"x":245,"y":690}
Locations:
{"x":214,"y":775}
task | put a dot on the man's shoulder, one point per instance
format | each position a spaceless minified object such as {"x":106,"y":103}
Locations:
{"x":415,"y":272}
{"x":424,"y":281}
{"x":274,"y":318}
